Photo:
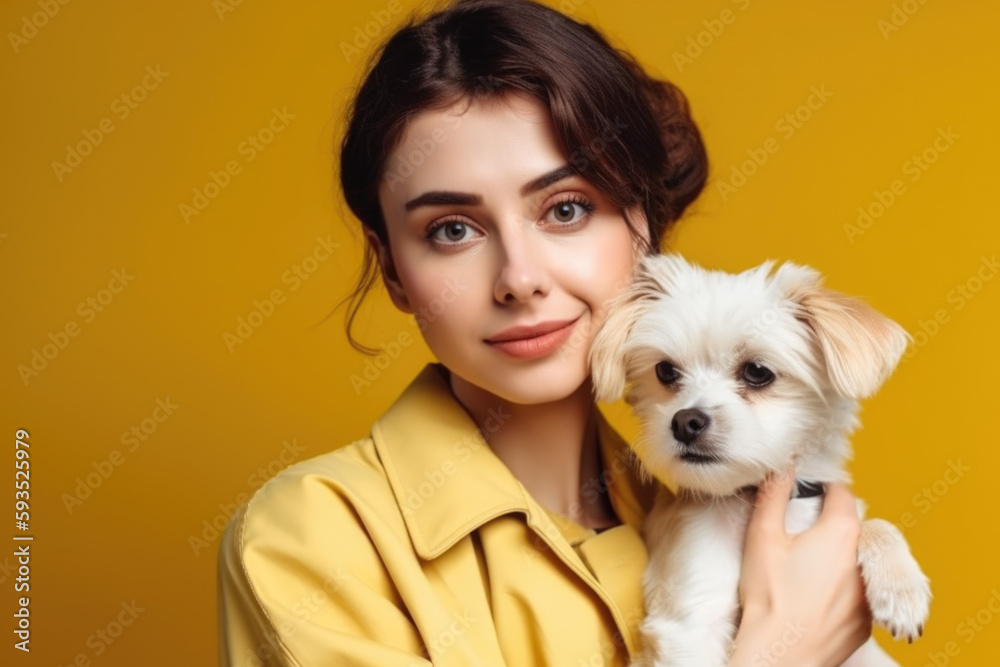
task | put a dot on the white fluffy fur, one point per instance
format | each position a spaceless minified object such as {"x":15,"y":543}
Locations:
{"x":826,"y":351}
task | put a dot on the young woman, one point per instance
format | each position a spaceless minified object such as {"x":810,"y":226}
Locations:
{"x":508,"y":167}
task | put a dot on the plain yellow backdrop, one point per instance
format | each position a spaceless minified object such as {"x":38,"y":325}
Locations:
{"x":148,"y":423}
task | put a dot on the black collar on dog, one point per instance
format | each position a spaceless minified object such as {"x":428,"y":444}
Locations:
{"x":805,"y":489}
{"x":802,"y":489}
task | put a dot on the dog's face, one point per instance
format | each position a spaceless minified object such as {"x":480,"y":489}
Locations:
{"x":736,"y":375}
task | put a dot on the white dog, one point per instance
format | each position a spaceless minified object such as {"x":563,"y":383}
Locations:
{"x":733,"y":376}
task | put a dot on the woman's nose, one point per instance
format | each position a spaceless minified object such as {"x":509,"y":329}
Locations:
{"x":522,"y":271}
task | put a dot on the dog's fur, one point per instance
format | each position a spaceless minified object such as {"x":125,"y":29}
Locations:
{"x":706,"y":330}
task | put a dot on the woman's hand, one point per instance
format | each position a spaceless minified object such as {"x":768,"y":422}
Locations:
{"x":803,"y":597}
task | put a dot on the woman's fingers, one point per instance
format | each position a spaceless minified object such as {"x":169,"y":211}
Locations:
{"x":838,"y":502}
{"x":771,"y":504}
{"x":812,"y":578}
{"x":839,"y":496}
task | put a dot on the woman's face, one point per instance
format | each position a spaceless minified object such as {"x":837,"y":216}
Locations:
{"x":489,"y":230}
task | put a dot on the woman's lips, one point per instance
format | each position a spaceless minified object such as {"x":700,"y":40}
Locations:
{"x":537,"y":346}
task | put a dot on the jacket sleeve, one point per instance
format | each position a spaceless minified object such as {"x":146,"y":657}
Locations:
{"x":301,"y":584}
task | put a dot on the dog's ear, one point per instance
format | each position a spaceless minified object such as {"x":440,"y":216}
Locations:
{"x":861,"y":346}
{"x":608,"y":354}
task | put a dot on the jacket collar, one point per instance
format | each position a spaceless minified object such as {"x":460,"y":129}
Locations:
{"x":448,"y":481}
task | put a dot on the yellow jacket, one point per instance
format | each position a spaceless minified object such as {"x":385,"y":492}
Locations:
{"x":418,"y":546}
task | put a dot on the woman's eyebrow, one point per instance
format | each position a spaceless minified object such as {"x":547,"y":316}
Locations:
{"x":547,"y":179}
{"x":443,"y":197}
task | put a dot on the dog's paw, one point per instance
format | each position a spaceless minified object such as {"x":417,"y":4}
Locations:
{"x":898,"y":592}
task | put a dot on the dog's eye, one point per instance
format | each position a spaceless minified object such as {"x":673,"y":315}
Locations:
{"x":757,"y":375}
{"x":667,"y":373}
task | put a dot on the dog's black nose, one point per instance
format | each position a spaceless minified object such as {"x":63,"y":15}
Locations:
{"x":687,"y":424}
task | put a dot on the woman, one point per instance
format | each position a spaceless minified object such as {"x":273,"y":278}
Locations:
{"x":508,"y":167}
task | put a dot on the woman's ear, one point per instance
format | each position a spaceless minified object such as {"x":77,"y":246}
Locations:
{"x":388,"y":269}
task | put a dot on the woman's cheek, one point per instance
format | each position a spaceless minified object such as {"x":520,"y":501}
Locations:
{"x":608,"y":262}
{"x":438,"y":298}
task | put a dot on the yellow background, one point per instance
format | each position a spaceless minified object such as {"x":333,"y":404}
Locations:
{"x":162,"y":336}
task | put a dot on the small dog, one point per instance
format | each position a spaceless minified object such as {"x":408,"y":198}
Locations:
{"x":733,"y":376}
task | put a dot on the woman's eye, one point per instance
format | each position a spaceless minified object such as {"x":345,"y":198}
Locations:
{"x":571,"y":210}
{"x":667,"y":373}
{"x":455,"y":232}
{"x":450,"y":231}
{"x":757,"y":375}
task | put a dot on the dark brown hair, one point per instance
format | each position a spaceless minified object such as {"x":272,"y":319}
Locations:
{"x":628,"y":134}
